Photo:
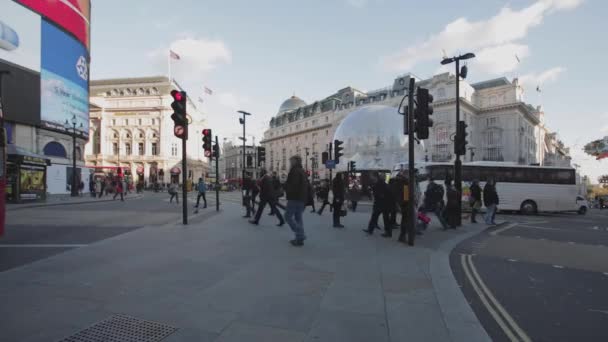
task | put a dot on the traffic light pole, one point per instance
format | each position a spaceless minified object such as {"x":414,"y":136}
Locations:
{"x":457,"y":162}
{"x":411,"y":207}
{"x":184,"y":179}
{"x":217,"y":177}
{"x":331,"y":178}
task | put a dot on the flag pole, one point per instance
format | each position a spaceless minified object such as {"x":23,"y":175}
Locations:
{"x":169,"y":65}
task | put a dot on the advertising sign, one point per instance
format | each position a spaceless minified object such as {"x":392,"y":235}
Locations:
{"x":19,"y":36}
{"x":71,"y":15}
{"x":598,"y":148}
{"x":64,"y":83}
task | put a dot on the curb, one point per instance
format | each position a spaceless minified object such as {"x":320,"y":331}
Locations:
{"x":460,"y":320}
{"x":42,"y":205}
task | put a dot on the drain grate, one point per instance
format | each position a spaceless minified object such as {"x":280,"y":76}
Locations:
{"x":121,"y":328}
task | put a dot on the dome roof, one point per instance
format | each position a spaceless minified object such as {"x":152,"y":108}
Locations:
{"x":373,"y":138}
{"x":291,"y":103}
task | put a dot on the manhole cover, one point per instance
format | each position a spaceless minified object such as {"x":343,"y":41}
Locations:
{"x":121,"y":328}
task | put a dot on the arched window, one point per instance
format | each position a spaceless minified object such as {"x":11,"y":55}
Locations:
{"x":97,"y":142}
{"x":55,"y":149}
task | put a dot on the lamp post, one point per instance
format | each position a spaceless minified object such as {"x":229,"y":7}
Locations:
{"x":243,"y":122}
{"x":68,"y":125}
{"x":457,"y":162}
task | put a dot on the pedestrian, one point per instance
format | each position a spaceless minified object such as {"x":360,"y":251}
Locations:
{"x":311,"y":197}
{"x":278,"y":193}
{"x":267,"y":196}
{"x":103,"y":185}
{"x":81,"y":187}
{"x":255,"y":190}
{"x":381,"y":205}
{"x":393,"y":200}
{"x":92,"y":188}
{"x":246,"y":189}
{"x":452,"y":210}
{"x":173,"y":192}
{"x":324,"y":196}
{"x":401,"y":196}
{"x":601,"y":200}
{"x":202,"y":189}
{"x":475,"y":200}
{"x":98,"y":187}
{"x":296,"y":188}
{"x":354,"y":195}
{"x":433,"y":201}
{"x":338,"y":192}
{"x":118,"y":190}
{"x":490,"y":200}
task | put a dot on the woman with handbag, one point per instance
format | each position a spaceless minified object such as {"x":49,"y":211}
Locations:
{"x":338,"y":193}
{"x":475,"y":200}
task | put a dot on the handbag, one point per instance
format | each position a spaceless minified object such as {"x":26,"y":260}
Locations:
{"x":343,"y":210}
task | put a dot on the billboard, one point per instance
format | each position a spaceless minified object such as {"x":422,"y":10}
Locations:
{"x":19,"y":36}
{"x":64,"y":80}
{"x":72,"y":15}
{"x":598,"y":148}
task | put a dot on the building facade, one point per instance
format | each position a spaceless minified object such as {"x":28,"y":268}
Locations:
{"x":131,"y":128}
{"x":233,"y":161}
{"x":501,"y":125}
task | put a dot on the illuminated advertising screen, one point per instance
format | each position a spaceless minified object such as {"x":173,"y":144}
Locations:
{"x":72,"y":15}
{"x":64,"y":80}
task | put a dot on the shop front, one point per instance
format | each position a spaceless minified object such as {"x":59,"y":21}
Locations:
{"x":26,"y":175}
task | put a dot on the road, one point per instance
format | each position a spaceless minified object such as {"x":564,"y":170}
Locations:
{"x":538,"y":278}
{"x":37,"y":233}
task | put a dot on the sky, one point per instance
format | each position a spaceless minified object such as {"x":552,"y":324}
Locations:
{"x":255,"y":54}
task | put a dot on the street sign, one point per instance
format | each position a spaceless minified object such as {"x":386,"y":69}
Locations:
{"x":330,"y":164}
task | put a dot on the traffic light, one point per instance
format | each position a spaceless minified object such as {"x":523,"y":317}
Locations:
{"x":249,"y":161}
{"x":216,"y":152}
{"x":207,"y":141}
{"x":460,"y":142}
{"x":324,"y":157}
{"x":338,"y":150}
{"x":353,"y":166}
{"x":422,"y":113}
{"x":179,"y":117}
{"x":261,"y":155}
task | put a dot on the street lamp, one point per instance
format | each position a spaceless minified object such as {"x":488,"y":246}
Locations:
{"x":243,"y":122}
{"x":68,"y":125}
{"x":457,"y":162}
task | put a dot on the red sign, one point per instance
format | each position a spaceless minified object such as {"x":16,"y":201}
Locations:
{"x":178,"y":131}
{"x":72,"y":15}
{"x":175,"y":171}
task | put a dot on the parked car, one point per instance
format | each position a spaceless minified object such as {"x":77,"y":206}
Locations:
{"x":582,"y":205}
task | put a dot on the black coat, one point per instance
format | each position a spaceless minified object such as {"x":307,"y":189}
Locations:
{"x":337,"y":188}
{"x":382,"y":194}
{"x":475,"y":193}
{"x":267,"y":192}
{"x":490,"y":196}
{"x":296,"y":186}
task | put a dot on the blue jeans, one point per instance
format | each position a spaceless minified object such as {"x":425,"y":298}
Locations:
{"x":490,"y":213}
{"x":293,"y":210}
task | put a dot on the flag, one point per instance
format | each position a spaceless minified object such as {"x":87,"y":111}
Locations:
{"x":174,"y":55}
{"x":208,"y":91}
{"x":200,"y":99}
{"x":602,"y":156}
{"x":538,"y":88}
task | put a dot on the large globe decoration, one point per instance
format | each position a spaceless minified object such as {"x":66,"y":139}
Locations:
{"x":373,"y":138}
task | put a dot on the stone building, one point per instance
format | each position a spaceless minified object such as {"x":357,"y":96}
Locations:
{"x":131,"y":128}
{"x":501,"y":125}
{"x":233,"y":161}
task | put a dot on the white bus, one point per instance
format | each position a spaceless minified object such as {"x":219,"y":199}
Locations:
{"x":527,"y":189}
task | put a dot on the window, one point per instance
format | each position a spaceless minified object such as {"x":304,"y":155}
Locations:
{"x":327,"y":119}
{"x":174,"y":149}
{"x":441,"y":93}
{"x":154,"y":121}
{"x":126,"y":122}
{"x":491,"y":122}
{"x":128,"y":149}
{"x":139,"y":122}
{"x":113,"y":122}
{"x":140,"y":149}
{"x":115,"y":149}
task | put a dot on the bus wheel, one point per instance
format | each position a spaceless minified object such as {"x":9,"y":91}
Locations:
{"x":528,"y":208}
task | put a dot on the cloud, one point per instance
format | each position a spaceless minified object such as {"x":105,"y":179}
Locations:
{"x":357,"y":3}
{"x":485,"y":37}
{"x":232,"y":101}
{"x":535,"y":79}
{"x":196,"y":55}
{"x":500,"y":59}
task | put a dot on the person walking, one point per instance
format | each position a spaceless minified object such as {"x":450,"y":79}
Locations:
{"x":173,"y":192}
{"x":92,"y":188}
{"x":246,"y":189}
{"x":400,"y":194}
{"x":490,"y":200}
{"x":118,"y":190}
{"x":296,"y":188}
{"x":202,"y":189}
{"x":267,"y":196}
{"x":381,"y":206}
{"x":255,"y":191}
{"x":98,"y":187}
{"x":433,"y":201}
{"x":103,"y":186}
{"x":354,"y":195}
{"x":452,"y":211}
{"x":338,"y":191}
{"x":475,"y":200}
{"x":311,"y":197}
{"x":324,"y":196}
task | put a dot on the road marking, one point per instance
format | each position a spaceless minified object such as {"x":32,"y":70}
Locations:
{"x":538,"y":227}
{"x":600,"y":311}
{"x":606,"y":273}
{"x":595,"y":228}
{"x":571,"y":242}
{"x":74,"y":245}
{"x":510,"y":328}
{"x":558,"y":266}
{"x":512,"y":260}
{"x":508,"y":226}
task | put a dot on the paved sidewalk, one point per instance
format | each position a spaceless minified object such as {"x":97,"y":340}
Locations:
{"x":53,"y":200}
{"x":226,"y":280}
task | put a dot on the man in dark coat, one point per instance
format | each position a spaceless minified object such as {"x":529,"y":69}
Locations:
{"x":324,"y":195}
{"x":433,"y":201}
{"x":475,"y":200}
{"x":247,"y":188}
{"x":296,"y":191}
{"x":490,"y":200}
{"x":400,"y":194}
{"x":382,"y":197}
{"x":267,"y":196}
{"x":338,"y":190}
{"x":452,"y":211}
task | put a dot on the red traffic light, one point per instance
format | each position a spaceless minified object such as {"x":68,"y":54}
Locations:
{"x":177,"y":95}
{"x":206,"y":131}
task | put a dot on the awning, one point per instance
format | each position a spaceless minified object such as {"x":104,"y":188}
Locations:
{"x":21,"y":155}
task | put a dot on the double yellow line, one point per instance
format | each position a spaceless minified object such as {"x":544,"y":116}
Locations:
{"x":498,"y":312}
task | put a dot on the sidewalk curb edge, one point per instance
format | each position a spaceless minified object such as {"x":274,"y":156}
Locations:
{"x":60,"y":203}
